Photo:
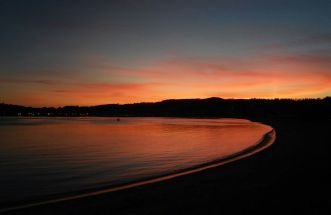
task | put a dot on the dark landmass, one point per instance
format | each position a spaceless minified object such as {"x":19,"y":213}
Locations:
{"x":289,"y":177}
{"x":210,"y":107}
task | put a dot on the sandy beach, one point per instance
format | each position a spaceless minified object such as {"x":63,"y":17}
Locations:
{"x":289,"y":176}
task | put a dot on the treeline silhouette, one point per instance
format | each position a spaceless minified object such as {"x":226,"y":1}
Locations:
{"x":210,"y":107}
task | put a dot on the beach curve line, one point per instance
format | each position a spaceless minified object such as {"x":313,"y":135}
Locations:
{"x":267,"y":140}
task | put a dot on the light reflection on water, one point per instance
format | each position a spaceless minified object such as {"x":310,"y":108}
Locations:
{"x":45,"y":156}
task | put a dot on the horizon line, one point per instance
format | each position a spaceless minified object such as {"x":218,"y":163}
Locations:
{"x":144,"y":102}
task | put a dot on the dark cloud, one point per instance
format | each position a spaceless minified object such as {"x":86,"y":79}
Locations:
{"x":24,"y":81}
{"x":313,"y":40}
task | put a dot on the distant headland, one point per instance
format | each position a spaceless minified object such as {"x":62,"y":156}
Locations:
{"x":209,"y":107}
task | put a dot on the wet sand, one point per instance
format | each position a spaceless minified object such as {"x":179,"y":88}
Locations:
{"x":287,"y":177}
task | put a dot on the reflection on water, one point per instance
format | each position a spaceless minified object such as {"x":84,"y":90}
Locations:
{"x":45,"y":156}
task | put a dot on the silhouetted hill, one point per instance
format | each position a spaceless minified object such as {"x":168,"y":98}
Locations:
{"x":210,"y":107}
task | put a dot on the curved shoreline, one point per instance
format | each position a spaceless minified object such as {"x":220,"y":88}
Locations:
{"x":267,"y":140}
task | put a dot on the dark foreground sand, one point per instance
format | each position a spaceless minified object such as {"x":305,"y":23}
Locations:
{"x":287,"y":178}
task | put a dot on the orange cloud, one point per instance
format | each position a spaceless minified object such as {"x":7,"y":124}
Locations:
{"x":267,"y":76}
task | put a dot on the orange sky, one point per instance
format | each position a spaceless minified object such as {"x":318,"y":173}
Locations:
{"x":298,"y":76}
{"x":56,"y":53}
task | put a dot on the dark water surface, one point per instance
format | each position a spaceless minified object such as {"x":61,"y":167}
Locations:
{"x":47,"y":156}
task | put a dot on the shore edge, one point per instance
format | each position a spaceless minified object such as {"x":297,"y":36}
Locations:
{"x":267,"y":140}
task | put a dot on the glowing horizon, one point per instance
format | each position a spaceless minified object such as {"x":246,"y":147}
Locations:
{"x":142,"y":54}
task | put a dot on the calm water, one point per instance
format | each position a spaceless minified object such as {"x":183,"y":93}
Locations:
{"x":46,"y":156}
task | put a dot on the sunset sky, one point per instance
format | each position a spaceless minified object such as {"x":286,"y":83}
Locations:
{"x":66,"y":52}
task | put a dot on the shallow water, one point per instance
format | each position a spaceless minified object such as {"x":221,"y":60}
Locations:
{"x":47,"y":156}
